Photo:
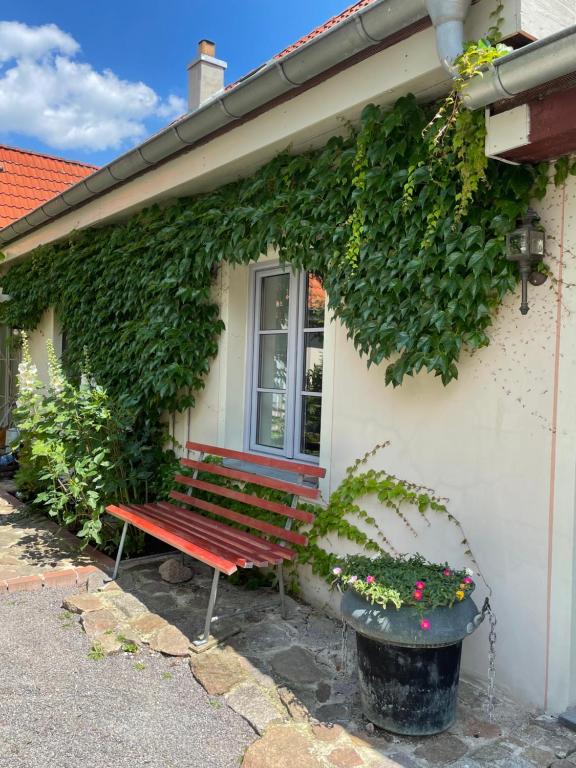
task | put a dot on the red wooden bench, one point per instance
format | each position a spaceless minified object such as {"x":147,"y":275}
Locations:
{"x":216,"y":543}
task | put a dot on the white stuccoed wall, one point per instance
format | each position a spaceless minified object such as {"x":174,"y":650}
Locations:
{"x":486,"y":441}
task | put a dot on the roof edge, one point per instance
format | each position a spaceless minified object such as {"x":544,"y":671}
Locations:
{"x":368,"y":26}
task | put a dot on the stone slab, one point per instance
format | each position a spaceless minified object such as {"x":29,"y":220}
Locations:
{"x":298,"y":665}
{"x":83,"y":603}
{"x":170,"y":641}
{"x":218,"y":671}
{"x":256,"y":705}
{"x":146,"y":625}
{"x":442,"y":750}
{"x":96,"y":623}
{"x":282,"y":746}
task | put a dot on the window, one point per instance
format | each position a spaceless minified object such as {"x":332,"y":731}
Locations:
{"x":286,"y":376}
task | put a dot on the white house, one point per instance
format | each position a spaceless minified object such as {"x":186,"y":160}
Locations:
{"x":500,"y":441}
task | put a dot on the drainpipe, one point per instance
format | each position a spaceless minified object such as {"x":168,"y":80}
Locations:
{"x":448,"y":18}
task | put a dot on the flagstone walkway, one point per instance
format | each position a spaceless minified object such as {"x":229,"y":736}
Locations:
{"x":101,"y":673}
{"x":36,"y":552}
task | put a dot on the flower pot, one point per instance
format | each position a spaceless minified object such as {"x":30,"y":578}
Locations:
{"x":408,"y":677}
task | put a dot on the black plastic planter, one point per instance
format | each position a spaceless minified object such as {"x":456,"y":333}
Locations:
{"x":408,"y":676}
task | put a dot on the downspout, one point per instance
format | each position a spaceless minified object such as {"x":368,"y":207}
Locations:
{"x":448,"y":18}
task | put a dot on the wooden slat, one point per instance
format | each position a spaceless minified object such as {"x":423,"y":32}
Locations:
{"x":244,"y":555}
{"x":249,"y":477}
{"x":270,"y":547}
{"x":265,"y":461}
{"x":245,"y":498}
{"x":216,"y":548}
{"x":198,"y":524}
{"x":160,"y":532}
{"x":250,"y":522}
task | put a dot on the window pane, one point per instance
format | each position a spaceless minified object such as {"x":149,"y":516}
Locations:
{"x":271,"y":419}
{"x":311,"y":412}
{"x":315,"y":299}
{"x":273,"y":359}
{"x":313,"y":353}
{"x":274,"y":302}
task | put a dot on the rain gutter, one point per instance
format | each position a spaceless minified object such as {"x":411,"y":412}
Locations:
{"x":360,"y":32}
{"x":276,"y":78}
{"x":534,"y":65}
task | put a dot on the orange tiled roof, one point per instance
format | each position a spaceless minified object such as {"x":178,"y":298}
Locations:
{"x":28,"y":179}
{"x":323,"y":27}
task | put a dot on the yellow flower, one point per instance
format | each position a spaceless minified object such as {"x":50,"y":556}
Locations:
{"x":460,"y":594}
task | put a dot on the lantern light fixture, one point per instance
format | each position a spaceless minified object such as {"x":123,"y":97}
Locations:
{"x":525,"y":245}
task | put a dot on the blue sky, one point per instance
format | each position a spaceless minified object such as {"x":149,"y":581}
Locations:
{"x":87,"y":80}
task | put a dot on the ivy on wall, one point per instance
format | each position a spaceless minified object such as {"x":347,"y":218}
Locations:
{"x":414,"y":279}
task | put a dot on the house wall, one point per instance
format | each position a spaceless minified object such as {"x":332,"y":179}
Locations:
{"x":499,"y":443}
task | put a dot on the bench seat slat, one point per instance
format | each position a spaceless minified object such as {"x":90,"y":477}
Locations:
{"x":249,"y":477}
{"x":226,"y":545}
{"x":251,"y":522}
{"x":254,"y":501}
{"x":260,"y":556}
{"x":219,"y":548}
{"x":265,"y":461}
{"x":159,"y":532}
{"x":276,"y":550}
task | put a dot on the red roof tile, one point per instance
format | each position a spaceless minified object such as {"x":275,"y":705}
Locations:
{"x":28,"y":179}
{"x":323,"y":27}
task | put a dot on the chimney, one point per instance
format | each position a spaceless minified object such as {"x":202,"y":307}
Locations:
{"x":205,"y":75}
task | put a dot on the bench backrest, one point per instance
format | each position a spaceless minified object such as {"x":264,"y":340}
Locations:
{"x":300,"y":488}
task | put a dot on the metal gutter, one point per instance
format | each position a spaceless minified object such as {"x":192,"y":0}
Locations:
{"x":529,"y":67}
{"x":370,"y":25}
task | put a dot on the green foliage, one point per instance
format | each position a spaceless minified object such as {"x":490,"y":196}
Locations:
{"x":392,"y":493}
{"x":74,"y":457}
{"x":97,"y":652}
{"x":128,"y":646}
{"x":407,"y":231}
{"x":405,"y":580}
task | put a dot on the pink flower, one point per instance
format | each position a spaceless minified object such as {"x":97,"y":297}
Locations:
{"x":352,"y":579}
{"x":336,"y":571}
{"x":447,"y":572}
{"x":370,"y":579}
{"x":417,"y":594}
{"x":425,"y":624}
{"x":420,"y":585}
{"x":467,"y":580}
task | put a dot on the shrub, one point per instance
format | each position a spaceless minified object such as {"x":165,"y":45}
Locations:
{"x":79,"y":452}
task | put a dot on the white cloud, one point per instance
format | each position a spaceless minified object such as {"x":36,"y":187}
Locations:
{"x":47,"y":93}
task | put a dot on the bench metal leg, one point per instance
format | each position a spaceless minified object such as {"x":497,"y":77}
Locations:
{"x":281,"y":590}
{"x":209,"y":613}
{"x":120,"y":548}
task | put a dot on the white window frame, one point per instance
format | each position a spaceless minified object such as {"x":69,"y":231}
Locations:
{"x":295,"y":364}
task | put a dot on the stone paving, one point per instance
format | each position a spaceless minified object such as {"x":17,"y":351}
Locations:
{"x":35,"y":551}
{"x":294,"y":681}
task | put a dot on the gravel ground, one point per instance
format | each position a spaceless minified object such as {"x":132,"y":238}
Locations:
{"x":60,"y":709}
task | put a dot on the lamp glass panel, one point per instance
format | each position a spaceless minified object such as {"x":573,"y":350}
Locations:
{"x":518,"y":242}
{"x":537,"y":243}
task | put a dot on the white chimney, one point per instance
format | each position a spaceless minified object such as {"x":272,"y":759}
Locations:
{"x":205,"y":75}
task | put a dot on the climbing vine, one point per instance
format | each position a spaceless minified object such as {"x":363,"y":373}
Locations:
{"x":396,"y":494}
{"x":404,"y":219}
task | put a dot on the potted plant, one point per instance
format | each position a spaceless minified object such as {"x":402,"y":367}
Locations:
{"x":410,"y":617}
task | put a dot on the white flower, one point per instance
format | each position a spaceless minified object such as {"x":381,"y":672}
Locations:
{"x":469,"y":572}
{"x":352,"y":579}
{"x":336,"y":571}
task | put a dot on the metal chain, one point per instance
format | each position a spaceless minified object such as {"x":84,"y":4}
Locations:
{"x":490,"y":706}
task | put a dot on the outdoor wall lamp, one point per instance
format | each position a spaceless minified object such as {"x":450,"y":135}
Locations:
{"x":526,"y":246}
